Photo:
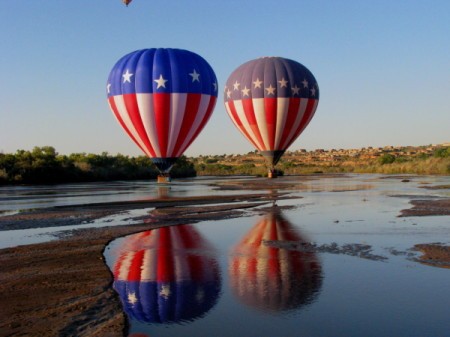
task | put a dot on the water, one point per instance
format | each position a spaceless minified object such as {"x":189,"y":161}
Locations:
{"x":222,"y":278}
{"x":256,"y":290}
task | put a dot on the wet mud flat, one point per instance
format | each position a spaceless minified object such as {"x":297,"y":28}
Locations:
{"x":64,"y":287}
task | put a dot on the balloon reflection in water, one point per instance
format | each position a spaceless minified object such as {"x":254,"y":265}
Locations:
{"x":271,"y":278}
{"x":167,"y":275}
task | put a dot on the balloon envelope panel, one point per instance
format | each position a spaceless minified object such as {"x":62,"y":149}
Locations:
{"x":162,"y":276}
{"x":162,"y":98}
{"x":271,"y":100}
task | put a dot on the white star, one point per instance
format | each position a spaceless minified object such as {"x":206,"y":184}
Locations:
{"x":283,"y":83}
{"x":161,"y":82}
{"x":195,"y":76}
{"x":229,"y":93}
{"x":127,"y":77}
{"x":305,"y":83}
{"x":245,"y":91}
{"x":165,"y":291}
{"x":270,"y":90}
{"x":313,"y":92}
{"x":132,"y":298}
{"x":257,"y":83}
{"x":108,"y":88}
{"x":236,"y":85}
{"x":295,"y":90}
{"x":215,"y":86}
{"x":200,"y":296}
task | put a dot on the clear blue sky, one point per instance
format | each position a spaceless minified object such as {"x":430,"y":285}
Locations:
{"x":383,"y":67}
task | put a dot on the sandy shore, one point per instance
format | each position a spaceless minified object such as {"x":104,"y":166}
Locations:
{"x":63,"y":287}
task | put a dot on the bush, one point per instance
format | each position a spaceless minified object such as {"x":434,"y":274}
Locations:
{"x":386,"y":158}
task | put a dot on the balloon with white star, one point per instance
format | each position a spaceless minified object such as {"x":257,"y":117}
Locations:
{"x":167,"y":275}
{"x":162,"y":98}
{"x":271,"y":100}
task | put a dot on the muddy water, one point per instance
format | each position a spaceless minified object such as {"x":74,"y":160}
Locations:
{"x":247,"y":277}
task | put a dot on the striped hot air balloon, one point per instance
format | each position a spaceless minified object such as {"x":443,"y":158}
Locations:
{"x":162,"y":98}
{"x":271,"y":100}
{"x":166,"y":275}
{"x":269,"y":278}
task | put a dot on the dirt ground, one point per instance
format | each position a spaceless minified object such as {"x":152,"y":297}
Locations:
{"x":63,"y":287}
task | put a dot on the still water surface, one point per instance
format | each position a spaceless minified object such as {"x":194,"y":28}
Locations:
{"x":221,"y":278}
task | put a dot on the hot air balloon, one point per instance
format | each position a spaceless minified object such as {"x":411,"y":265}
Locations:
{"x":271,"y":100}
{"x":167,"y":275}
{"x":126,"y":2}
{"x":162,"y":98}
{"x":269,"y":278}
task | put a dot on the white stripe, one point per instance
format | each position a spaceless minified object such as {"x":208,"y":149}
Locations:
{"x":259,"y":108}
{"x":125,"y":263}
{"x":241,"y":129}
{"x":202,"y":109}
{"x":177,"y":109}
{"x":300,"y":113}
{"x":148,"y":266}
{"x":123,"y":112}
{"x":147,"y":112}
{"x":282,"y":113}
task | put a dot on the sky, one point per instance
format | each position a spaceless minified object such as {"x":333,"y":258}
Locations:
{"x":383,"y":67}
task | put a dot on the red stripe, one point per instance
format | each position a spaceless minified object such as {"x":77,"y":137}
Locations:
{"x":122,"y":124}
{"x":118,"y":266}
{"x":238,"y":122}
{"x":161,"y":105}
{"x":165,"y":266}
{"x":270,"y":107}
{"x":189,"y":237}
{"x":190,"y":112}
{"x":134,"y":273}
{"x":247,"y":104}
{"x":133,"y":111}
{"x":308,"y":115}
{"x":294,"y":104}
{"x":209,"y":110}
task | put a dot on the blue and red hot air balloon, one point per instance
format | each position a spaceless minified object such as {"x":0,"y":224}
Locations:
{"x":167,"y":275}
{"x":271,"y":278}
{"x":162,"y":98}
{"x":271,"y":100}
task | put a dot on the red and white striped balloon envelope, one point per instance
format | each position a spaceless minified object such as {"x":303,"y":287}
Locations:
{"x":269,"y":278}
{"x":271,"y":100}
{"x":162,"y":98}
{"x":167,"y":275}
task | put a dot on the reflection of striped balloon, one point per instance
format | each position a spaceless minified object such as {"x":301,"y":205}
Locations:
{"x":162,"y":275}
{"x":272,"y":278}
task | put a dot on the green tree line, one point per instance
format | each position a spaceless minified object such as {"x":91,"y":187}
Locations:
{"x":43,"y":165}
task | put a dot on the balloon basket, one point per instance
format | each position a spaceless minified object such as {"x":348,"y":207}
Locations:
{"x":163,"y":179}
{"x":272,"y":174}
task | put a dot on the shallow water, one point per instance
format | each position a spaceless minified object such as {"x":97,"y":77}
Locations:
{"x":222,"y":278}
